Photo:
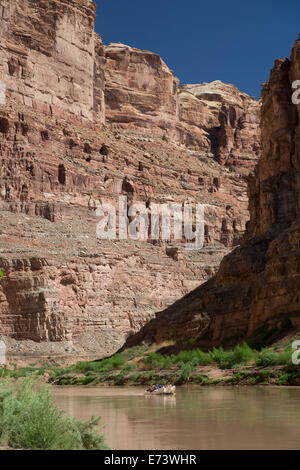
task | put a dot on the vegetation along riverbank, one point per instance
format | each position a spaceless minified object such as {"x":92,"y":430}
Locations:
{"x":142,"y":366}
{"x":29,"y":419}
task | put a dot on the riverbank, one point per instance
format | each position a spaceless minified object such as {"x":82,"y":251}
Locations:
{"x":143,"y":366}
{"x":279,"y":375}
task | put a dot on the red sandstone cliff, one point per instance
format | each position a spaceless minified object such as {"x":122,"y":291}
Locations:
{"x":52,"y":60}
{"x":227,"y":119}
{"x":140,"y":90}
{"x":255,"y":294}
{"x":58,"y":163}
{"x":48,"y":53}
{"x":214,"y":119}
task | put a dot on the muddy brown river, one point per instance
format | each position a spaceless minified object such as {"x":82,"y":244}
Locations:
{"x":198,"y":418}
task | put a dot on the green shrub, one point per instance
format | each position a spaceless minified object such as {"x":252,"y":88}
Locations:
{"x":243,"y":354}
{"x":266,"y":358}
{"x":128,"y":368}
{"x":202,"y":379}
{"x":30,"y":420}
{"x":105,"y":365}
{"x":196,"y":356}
{"x":263,"y":377}
{"x":218,"y":355}
{"x":22,"y":372}
{"x":285,"y":357}
{"x":287,"y":378}
{"x":157,"y":361}
{"x":120,"y":379}
{"x":240,"y":355}
{"x":272,"y":358}
{"x":185,"y":374}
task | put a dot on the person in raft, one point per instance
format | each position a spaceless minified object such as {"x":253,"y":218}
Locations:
{"x":154,"y":387}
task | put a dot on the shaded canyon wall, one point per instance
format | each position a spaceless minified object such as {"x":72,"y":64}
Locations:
{"x":255,"y":294}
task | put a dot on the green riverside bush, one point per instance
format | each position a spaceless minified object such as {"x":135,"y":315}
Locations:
{"x":269,"y":357}
{"x":30,"y":420}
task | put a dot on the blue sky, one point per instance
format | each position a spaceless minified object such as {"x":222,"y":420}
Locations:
{"x":234,"y":41}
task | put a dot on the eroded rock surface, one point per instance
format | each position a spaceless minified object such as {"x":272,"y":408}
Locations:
{"x":59,"y":163}
{"x":255,"y":294}
{"x":215,"y":119}
{"x":227,"y":119}
{"x":59,"y":279}
{"x":48,"y":55}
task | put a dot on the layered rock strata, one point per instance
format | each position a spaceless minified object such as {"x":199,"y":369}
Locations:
{"x":48,"y":53}
{"x":59,"y":163}
{"x":227,"y":119}
{"x":59,"y":278}
{"x":255,"y":294}
{"x":215,"y":119}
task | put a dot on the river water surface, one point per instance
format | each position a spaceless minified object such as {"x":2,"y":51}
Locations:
{"x":198,"y":418}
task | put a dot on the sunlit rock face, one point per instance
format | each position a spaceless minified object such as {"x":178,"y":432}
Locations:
{"x":140,"y":91}
{"x":48,"y":55}
{"x":215,"y":119}
{"x":228,"y":119}
{"x":59,"y":279}
{"x":255,"y":294}
{"x":80,"y":125}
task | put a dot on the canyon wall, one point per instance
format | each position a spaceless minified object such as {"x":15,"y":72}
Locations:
{"x":214,"y":119}
{"x":140,"y":90}
{"x":51,"y":59}
{"x":59,"y":162}
{"x":255,"y":294}
{"x":48,"y":52}
{"x":227,"y":119}
{"x":59,"y":279}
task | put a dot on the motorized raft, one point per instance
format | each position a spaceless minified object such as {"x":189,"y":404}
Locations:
{"x":155,"y":390}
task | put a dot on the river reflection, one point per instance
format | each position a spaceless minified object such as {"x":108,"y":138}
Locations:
{"x":197,"y":418}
